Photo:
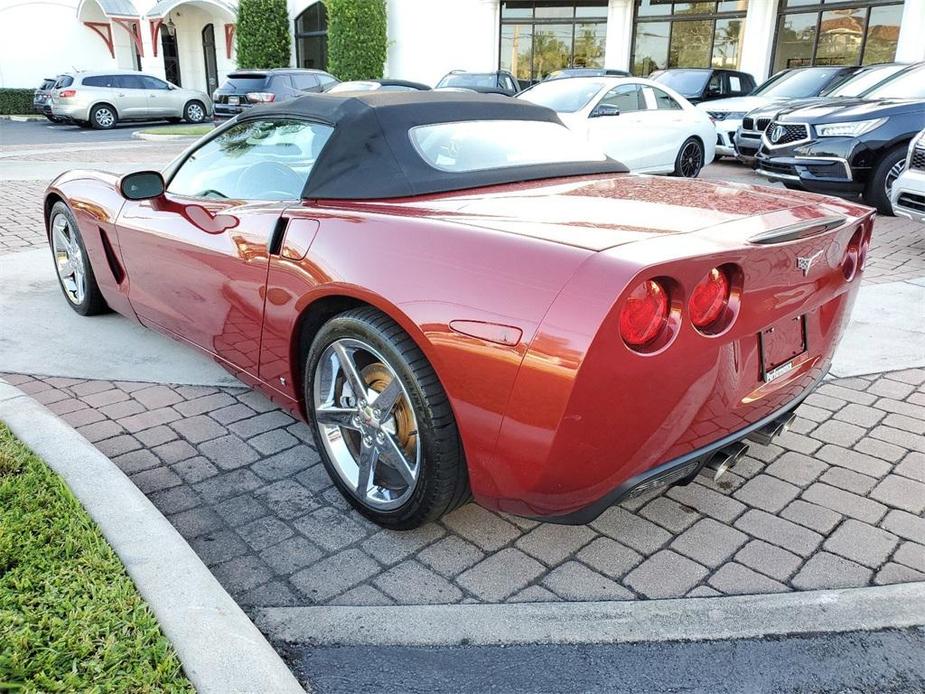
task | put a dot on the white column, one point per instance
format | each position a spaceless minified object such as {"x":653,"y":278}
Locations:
{"x":911,"y":45}
{"x":618,"y":49}
{"x":758,"y":38}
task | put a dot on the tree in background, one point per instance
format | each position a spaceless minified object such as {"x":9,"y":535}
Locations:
{"x":262,"y":35}
{"x":357,"y":38}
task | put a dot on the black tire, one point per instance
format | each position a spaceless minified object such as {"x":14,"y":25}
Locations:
{"x":876,"y":193}
{"x":103,"y":117}
{"x":194,"y":112}
{"x":443,"y":482}
{"x":92,"y":303}
{"x":689,"y":162}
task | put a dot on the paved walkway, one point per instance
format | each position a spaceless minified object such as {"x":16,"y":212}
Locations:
{"x":838,"y":502}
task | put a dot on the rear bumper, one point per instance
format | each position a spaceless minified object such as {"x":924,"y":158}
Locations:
{"x":677,"y":471}
{"x":70,"y":111}
{"x":229,"y":111}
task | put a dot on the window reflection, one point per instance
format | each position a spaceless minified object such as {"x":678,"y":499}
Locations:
{"x":687,"y":34}
{"x":843,"y":33}
{"x":538,"y":38}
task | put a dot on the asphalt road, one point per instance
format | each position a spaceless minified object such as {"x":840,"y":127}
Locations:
{"x":888,"y":662}
{"x":45,"y":133}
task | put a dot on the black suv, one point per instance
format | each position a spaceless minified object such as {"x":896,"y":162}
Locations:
{"x":498,"y":82}
{"x":245,"y":88}
{"x":848,"y":147}
{"x":863,"y":83}
{"x":705,"y":84}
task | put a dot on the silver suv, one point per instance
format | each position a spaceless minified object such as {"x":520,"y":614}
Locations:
{"x":102,"y":99}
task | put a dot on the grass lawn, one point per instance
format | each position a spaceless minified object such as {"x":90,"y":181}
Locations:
{"x":190,"y":130}
{"x":71,"y":619}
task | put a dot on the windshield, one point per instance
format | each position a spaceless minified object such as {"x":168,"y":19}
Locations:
{"x":479,"y":145}
{"x":245,"y":83}
{"x":909,"y":85}
{"x":860,"y":82}
{"x":564,"y":96}
{"x":687,"y":82}
{"x":798,"y":84}
{"x":470,"y":79}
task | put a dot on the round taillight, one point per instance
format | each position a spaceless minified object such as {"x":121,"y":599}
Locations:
{"x":709,"y":298}
{"x":644,"y":314}
{"x":853,"y":256}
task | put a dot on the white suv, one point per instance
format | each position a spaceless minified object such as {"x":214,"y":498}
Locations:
{"x":102,"y":99}
{"x":908,"y":191}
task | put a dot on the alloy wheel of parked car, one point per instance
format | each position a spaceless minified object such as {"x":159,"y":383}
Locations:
{"x":75,"y":275}
{"x":382,"y":421}
{"x":194,"y":112}
{"x":103,"y":118}
{"x":884,"y":174}
{"x":690,"y":159}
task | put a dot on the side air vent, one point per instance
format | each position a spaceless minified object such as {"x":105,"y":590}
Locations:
{"x":115,"y":266}
{"x":800,"y":230}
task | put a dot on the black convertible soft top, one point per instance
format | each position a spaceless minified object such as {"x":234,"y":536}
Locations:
{"x":370,"y":154}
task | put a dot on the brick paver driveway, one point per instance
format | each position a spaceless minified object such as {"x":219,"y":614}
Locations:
{"x":838,"y":501}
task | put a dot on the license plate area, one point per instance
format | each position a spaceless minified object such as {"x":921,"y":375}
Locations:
{"x":779,"y":344}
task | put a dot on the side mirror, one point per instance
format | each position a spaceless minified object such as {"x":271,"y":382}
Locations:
{"x":605,"y":110}
{"x":142,"y":185}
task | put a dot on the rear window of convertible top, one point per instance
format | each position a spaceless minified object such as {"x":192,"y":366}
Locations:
{"x":479,"y":145}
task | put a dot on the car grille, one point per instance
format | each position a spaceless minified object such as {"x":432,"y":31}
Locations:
{"x":918,"y":158}
{"x":789,"y":132}
{"x":756,"y":124}
{"x":912,"y":201}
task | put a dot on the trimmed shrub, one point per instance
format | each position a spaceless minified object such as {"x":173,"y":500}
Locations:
{"x":15,"y":101}
{"x":262,"y":36}
{"x":357,"y":38}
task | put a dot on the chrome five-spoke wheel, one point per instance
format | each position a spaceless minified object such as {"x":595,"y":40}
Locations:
{"x":383,"y":424}
{"x":367,"y":424}
{"x":69,"y":260}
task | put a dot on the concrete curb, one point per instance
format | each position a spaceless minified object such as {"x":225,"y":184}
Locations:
{"x":138,"y":135}
{"x":21,"y":118}
{"x":683,"y":619}
{"x":220,"y":648}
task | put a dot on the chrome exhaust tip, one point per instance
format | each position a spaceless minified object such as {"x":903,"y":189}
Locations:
{"x":772,"y":429}
{"x":725,"y":459}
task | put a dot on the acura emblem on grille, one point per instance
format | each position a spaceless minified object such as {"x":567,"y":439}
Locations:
{"x":804,"y":263}
{"x":777,"y":132}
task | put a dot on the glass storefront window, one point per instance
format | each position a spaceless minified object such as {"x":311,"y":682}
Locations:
{"x":542,"y":36}
{"x":882,"y":34}
{"x":687,"y":34}
{"x":651,"y":47}
{"x":825,"y":32}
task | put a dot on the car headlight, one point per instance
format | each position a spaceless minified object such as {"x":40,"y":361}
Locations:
{"x":726,"y":115}
{"x":852,"y":129}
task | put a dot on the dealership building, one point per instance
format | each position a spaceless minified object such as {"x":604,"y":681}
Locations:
{"x":191,"y":42}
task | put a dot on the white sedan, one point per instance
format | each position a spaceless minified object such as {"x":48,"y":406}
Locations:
{"x":645,"y":125}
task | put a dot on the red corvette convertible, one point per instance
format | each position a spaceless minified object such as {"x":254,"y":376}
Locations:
{"x":462,"y":298}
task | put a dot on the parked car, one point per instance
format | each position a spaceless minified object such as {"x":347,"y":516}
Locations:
{"x":244,"y":88}
{"x":567,"y":335}
{"x":908,"y":192}
{"x":705,"y":84}
{"x":383,"y":85}
{"x":499,"y":82}
{"x":645,"y":125}
{"x":103,"y":99}
{"x":863,"y":82}
{"x":797,"y":83}
{"x":41,"y":96}
{"x":853,"y":147}
{"x":567,"y":72}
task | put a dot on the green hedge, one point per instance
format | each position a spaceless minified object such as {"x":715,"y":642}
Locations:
{"x":263,"y":34}
{"x":15,"y":101}
{"x":357,"y":38}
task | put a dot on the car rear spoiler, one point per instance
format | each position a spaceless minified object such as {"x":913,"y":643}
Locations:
{"x":799,"y":230}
